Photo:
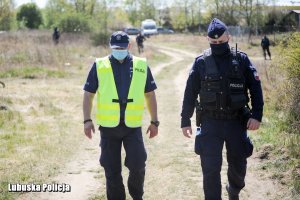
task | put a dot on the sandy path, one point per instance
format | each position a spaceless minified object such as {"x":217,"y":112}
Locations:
{"x":173,"y":170}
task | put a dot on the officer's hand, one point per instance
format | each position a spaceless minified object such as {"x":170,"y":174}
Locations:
{"x":88,"y":128}
{"x":187,"y":131}
{"x":253,"y":124}
{"x":153,"y":130}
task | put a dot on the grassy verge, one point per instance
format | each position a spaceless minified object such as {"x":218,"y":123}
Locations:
{"x":32,"y":72}
{"x":279,"y":138}
{"x":40,"y":115}
{"x":156,"y":58}
{"x":34,"y":141}
{"x":276,"y":148}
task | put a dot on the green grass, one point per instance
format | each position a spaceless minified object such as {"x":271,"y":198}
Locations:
{"x":272,"y":126}
{"x":158,"y":58}
{"x":19,"y":57}
{"x":25,"y":151}
{"x":282,"y":163}
{"x":9,"y":119}
{"x":32,"y":72}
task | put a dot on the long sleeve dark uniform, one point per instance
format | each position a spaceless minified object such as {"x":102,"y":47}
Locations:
{"x":193,"y":86}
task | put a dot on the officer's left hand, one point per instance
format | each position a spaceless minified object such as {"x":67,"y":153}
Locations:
{"x":187,"y":131}
{"x":253,"y":124}
{"x":153,"y":130}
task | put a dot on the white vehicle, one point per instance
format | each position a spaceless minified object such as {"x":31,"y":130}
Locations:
{"x":149,"y":27}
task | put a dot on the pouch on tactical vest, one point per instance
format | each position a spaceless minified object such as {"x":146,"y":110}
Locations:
{"x":222,"y":92}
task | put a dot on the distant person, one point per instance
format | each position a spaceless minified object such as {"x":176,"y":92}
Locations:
{"x":122,"y":83}
{"x":56,"y":35}
{"x":265,"y":44}
{"x":222,"y":78}
{"x":140,"y":38}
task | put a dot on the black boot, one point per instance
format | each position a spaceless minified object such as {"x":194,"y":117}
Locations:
{"x":231,"y":196}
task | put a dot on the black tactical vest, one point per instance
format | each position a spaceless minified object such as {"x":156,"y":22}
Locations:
{"x":222,"y":93}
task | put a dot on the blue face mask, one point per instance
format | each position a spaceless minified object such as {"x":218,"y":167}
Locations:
{"x":219,"y":49}
{"x":119,"y":54}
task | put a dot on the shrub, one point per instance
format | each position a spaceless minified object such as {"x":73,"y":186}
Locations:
{"x":6,"y":16}
{"x":100,"y":38}
{"x":290,"y":103}
{"x":74,"y":23}
{"x":31,"y":15}
{"x":291,"y":65}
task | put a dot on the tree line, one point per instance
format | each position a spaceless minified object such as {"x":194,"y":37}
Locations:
{"x":106,"y":15}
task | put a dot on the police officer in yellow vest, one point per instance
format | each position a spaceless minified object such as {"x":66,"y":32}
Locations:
{"x":121,"y":82}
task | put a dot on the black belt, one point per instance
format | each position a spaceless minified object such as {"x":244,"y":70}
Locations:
{"x":222,"y":115}
{"x":122,"y":101}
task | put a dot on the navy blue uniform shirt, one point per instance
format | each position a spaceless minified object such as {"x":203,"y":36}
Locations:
{"x":122,"y":75}
{"x":193,"y":85}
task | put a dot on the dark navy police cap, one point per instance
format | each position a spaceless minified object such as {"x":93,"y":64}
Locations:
{"x":119,"y":39}
{"x":216,"y":28}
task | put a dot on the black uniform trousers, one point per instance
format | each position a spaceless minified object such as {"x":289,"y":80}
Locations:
{"x":210,"y":143}
{"x":111,"y":145}
{"x":266,"y":49}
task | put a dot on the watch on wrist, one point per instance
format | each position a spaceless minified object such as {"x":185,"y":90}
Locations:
{"x":87,"y":120}
{"x":155,"y":123}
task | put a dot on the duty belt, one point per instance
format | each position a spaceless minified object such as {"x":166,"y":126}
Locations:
{"x":222,"y":115}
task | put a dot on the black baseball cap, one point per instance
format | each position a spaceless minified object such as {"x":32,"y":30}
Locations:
{"x":119,"y":39}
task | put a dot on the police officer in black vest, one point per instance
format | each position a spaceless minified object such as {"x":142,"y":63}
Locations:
{"x":265,"y":45}
{"x":222,"y":78}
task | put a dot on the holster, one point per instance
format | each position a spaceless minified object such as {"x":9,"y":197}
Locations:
{"x":198,"y":114}
{"x":246,"y":114}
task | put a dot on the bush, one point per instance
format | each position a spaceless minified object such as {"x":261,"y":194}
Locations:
{"x":74,"y":23}
{"x":6,"y":16}
{"x":291,"y":65}
{"x":31,"y":15}
{"x":290,"y":103}
{"x":100,"y":38}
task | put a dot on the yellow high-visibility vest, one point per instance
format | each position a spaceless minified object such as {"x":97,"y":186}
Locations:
{"x":108,"y":107}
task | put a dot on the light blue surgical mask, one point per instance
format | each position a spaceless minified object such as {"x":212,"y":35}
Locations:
{"x":119,"y":54}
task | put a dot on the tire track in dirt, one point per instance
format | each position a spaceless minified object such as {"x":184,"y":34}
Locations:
{"x":169,"y":157}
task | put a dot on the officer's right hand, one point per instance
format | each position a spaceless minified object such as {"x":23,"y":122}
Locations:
{"x":187,"y":131}
{"x":88,"y":128}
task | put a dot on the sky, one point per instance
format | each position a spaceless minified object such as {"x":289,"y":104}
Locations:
{"x":42,"y":3}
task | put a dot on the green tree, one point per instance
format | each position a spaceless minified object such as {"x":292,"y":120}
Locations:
{"x":164,"y":17}
{"x":147,"y":9}
{"x":84,"y":6}
{"x":229,"y":12}
{"x":118,"y":19}
{"x":31,"y":15}
{"x":131,"y":6}
{"x":54,"y":10}
{"x":6,"y":14}
{"x":226,"y":10}
{"x":178,"y":17}
{"x":74,"y":22}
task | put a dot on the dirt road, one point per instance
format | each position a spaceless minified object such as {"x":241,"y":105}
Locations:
{"x":173,"y":170}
